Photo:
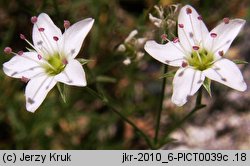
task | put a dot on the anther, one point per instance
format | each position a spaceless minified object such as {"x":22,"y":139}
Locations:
{"x":176,"y":39}
{"x":181,"y":25}
{"x":55,"y":38}
{"x":20,"y":53}
{"x":226,"y":20}
{"x":221,"y":53}
{"x":199,"y":17}
{"x":8,"y":50}
{"x":188,"y":10}
{"x":196,"y":48}
{"x":39,"y":56}
{"x":24,"y":79}
{"x":22,"y":37}
{"x":41,"y":29}
{"x":213,"y":35}
{"x":66,"y":24}
{"x":33,"y":19}
{"x":184,"y":64}
{"x":65,"y":61}
{"x":164,"y":37}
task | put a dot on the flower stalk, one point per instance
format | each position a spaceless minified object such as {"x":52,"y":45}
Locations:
{"x":117,"y":112}
{"x":158,"y":118}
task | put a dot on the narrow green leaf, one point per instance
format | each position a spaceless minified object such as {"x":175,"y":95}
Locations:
{"x":207,"y":86}
{"x":107,"y":79}
{"x":168,"y":74}
{"x":240,"y":62}
{"x":61,"y":88}
{"x":83,"y":61}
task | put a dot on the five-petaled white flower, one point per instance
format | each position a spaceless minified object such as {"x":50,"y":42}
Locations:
{"x":199,"y":54}
{"x":51,"y":59}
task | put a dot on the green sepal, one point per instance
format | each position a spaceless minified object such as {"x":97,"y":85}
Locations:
{"x":62,"y":90}
{"x":169,"y":74}
{"x":207,"y":86}
{"x":83,"y":61}
{"x":240,"y":62}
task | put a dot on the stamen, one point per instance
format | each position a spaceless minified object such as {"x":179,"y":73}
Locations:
{"x":8,"y":50}
{"x":33,"y":19}
{"x":188,"y":10}
{"x":181,"y":25}
{"x":47,"y":42}
{"x":20,"y":53}
{"x":55,"y":38}
{"x":196,"y":48}
{"x":164,"y":37}
{"x":213,"y":35}
{"x":176,"y":39}
{"x":39,"y":56}
{"x":66,"y":24}
{"x":184,"y":64}
{"x":22,"y":37}
{"x":65,"y":61}
{"x":186,"y":37}
{"x":201,"y":27}
{"x":193,"y":34}
{"x":41,"y":29}
{"x":24,"y":79}
{"x":178,"y":59}
{"x":221,"y":53}
{"x":226,"y":20}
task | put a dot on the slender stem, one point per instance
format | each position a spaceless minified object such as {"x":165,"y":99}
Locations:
{"x":158,"y":118}
{"x":115,"y":110}
{"x":197,"y":107}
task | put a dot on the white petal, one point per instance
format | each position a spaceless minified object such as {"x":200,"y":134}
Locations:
{"x":26,"y":65}
{"x":226,"y":33}
{"x":194,"y":31}
{"x":186,"y":83}
{"x":73,"y":74}
{"x":36,"y":91}
{"x":46,"y":37}
{"x":74,"y":36}
{"x":170,"y":53}
{"x":227,"y":73}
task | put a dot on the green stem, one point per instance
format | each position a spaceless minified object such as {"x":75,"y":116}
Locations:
{"x":158,"y":118}
{"x":115,"y":110}
{"x":197,"y":107}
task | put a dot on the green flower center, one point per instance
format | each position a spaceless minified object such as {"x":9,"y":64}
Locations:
{"x":56,"y":64}
{"x":201,"y":60}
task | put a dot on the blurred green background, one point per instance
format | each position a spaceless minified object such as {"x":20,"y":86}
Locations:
{"x":84,"y":122}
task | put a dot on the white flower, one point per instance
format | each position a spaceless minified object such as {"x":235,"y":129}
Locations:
{"x":51,"y":61}
{"x":199,"y":54}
